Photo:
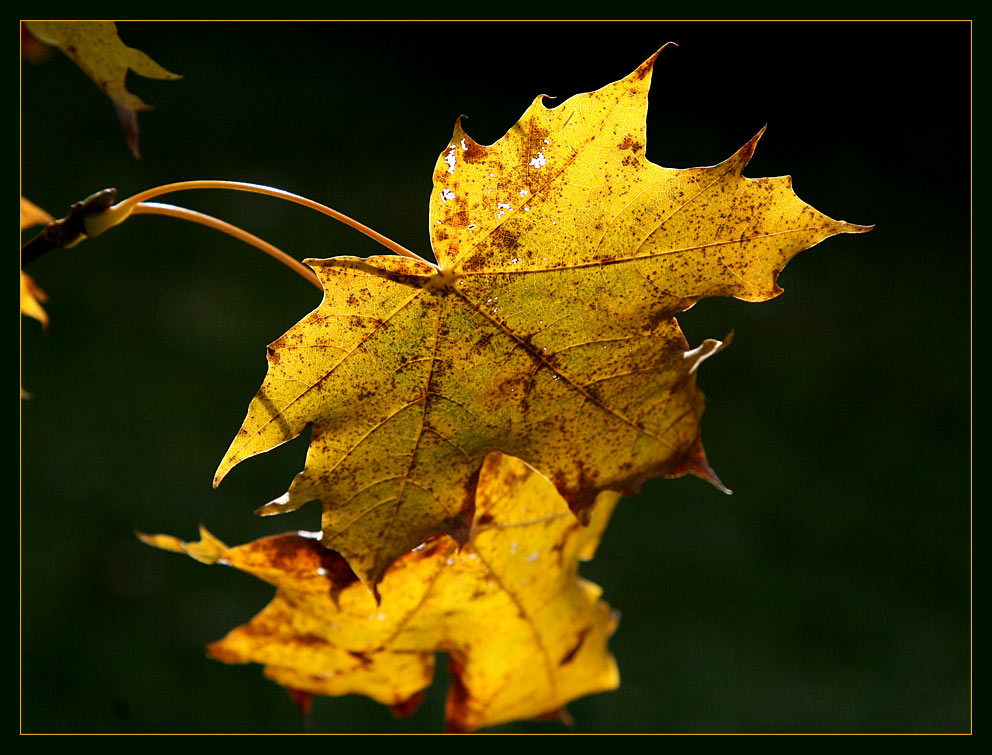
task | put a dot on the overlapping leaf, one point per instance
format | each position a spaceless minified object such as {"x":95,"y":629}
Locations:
{"x":547,"y":331}
{"x":95,"y":47}
{"x":524,"y":632}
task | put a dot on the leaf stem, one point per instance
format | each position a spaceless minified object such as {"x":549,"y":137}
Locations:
{"x":279,"y":193}
{"x":156,"y":208}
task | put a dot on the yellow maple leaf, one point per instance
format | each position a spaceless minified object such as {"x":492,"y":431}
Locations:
{"x":525,"y":634}
{"x":547,"y":331}
{"x":96,"y":48}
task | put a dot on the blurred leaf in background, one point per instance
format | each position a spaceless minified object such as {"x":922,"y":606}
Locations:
{"x":97,"y":49}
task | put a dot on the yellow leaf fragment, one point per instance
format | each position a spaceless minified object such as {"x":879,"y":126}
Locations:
{"x":32,"y":214}
{"x":525,"y":634}
{"x":97,"y":49}
{"x":31,"y":293}
{"x":547,"y":333}
{"x":31,"y":298}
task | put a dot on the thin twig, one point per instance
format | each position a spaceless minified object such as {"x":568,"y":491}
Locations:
{"x":66,"y":232}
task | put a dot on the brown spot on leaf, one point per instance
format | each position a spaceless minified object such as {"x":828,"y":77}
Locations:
{"x":363,"y":659}
{"x":511,"y":386}
{"x":473,"y":152}
{"x":289,"y":552}
{"x":567,"y":658}
{"x":659,"y":317}
{"x":482,"y":343}
{"x":476,"y":262}
{"x":505,"y":239}
{"x":458,"y":219}
{"x":309,"y":640}
{"x":339,"y":575}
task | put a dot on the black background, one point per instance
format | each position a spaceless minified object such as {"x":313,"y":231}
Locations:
{"x":830,"y":593}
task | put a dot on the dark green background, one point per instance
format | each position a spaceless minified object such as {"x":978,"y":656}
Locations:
{"x":830,"y":593}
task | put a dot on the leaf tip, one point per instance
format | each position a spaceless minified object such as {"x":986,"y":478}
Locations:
{"x":705,"y":350}
{"x":705,"y":472}
{"x":208,"y":549}
{"x":653,"y":58}
{"x":229,"y":462}
{"x":142,"y":536}
{"x":855,"y":228}
{"x":219,"y":475}
{"x":561,"y":715}
{"x":408,"y":707}
{"x":696,"y":463}
{"x":745,"y":153}
{"x":165,"y":542}
{"x":463,"y":146}
{"x":303,"y":700}
{"x":31,"y":297}
{"x":221,"y":652}
{"x":282,"y":505}
{"x":128,"y":118}
{"x":644,"y":69}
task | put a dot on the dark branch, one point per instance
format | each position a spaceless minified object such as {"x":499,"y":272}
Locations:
{"x":69,"y":230}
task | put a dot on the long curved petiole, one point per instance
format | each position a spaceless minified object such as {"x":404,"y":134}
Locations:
{"x":122,"y":207}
